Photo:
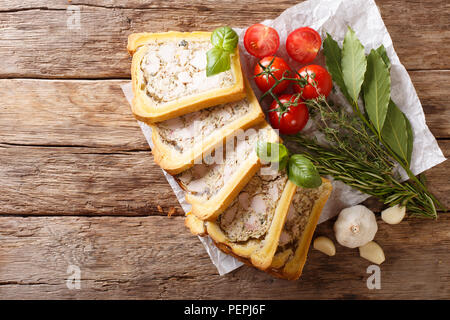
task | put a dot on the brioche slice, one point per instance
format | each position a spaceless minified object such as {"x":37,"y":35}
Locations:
{"x":210,"y":188}
{"x":301,"y":221}
{"x":168,"y":74}
{"x":293,"y":244}
{"x":252,"y":224}
{"x":178,"y":142}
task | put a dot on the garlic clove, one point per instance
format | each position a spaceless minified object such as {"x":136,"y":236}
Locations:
{"x":324,"y":245}
{"x":393,"y":215}
{"x":372,"y":252}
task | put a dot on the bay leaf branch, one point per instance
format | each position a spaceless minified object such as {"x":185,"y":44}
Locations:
{"x":353,"y":64}
{"x":377,"y":90}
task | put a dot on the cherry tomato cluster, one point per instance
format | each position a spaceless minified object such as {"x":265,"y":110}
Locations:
{"x":272,"y":72}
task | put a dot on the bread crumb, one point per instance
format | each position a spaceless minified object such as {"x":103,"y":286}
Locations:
{"x":159,"y":208}
{"x":171,"y":211}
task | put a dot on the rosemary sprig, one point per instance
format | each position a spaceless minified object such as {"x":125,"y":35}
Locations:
{"x":367,"y":179}
{"x":355,"y":158}
{"x":356,"y":154}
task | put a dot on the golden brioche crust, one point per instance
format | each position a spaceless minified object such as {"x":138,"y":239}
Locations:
{"x":196,"y":226}
{"x":259,"y":252}
{"x":142,"y":106}
{"x":278,"y":267}
{"x":174,"y":163}
{"x":292,"y":269}
{"x":212,"y":208}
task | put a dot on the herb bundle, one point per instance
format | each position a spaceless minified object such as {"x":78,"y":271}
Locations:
{"x":363,"y":147}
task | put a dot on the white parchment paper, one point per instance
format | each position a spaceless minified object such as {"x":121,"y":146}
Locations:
{"x":333,"y":16}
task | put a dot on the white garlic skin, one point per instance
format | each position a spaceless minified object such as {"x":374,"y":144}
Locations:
{"x":355,"y":226}
{"x":393,"y":215}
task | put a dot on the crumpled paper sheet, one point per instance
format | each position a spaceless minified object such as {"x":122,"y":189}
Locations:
{"x":333,"y":16}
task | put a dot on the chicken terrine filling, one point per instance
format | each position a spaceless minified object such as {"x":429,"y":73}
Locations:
{"x":251,"y":213}
{"x":297,"y":220}
{"x":207,"y":179}
{"x":184,"y":132}
{"x":173,"y":69}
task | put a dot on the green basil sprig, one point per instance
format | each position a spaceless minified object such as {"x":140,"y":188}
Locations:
{"x":301,"y":171}
{"x":273,"y":152}
{"x":224,"y":40}
{"x":218,"y":60}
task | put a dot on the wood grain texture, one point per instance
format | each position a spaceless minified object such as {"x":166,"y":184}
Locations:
{"x":68,"y":113}
{"x":133,"y":258}
{"x":95,"y":113}
{"x":78,"y":185}
{"x":36,"y":41}
{"x":82,"y":181}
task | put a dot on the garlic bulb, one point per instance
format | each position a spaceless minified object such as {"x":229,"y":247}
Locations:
{"x":355,"y":226}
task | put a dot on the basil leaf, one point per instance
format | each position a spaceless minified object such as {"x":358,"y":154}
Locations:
{"x":225,"y":38}
{"x":302,"y":172}
{"x":353,"y":64}
{"x":333,"y":55}
{"x":394,"y":131}
{"x":272,"y":152}
{"x":283,"y":163}
{"x":410,"y":139}
{"x":218,"y":60}
{"x":381,"y":50}
{"x":377,"y":89}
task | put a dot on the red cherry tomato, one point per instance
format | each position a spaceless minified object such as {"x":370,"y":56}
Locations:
{"x":264,"y":80}
{"x":261,"y":41}
{"x":303,"y":44}
{"x":318,"y":81}
{"x":295,"y":117}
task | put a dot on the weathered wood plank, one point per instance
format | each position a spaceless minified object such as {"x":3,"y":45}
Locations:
{"x":81,"y":181}
{"x":36,"y":41}
{"x":72,"y":113}
{"x":95,"y":181}
{"x":435,"y":99}
{"x":95,"y":113}
{"x":155,"y":257}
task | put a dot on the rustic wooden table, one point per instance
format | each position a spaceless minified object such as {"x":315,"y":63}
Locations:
{"x":78,"y":185}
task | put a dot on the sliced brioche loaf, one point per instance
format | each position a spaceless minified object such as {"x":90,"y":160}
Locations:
{"x":295,"y":238}
{"x":168,"y":74}
{"x":210,"y":188}
{"x":251,"y":226}
{"x":301,"y":221}
{"x":181,"y":141}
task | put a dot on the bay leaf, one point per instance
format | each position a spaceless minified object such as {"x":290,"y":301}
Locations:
{"x":410,"y":139}
{"x":381,"y":50}
{"x":377,"y":90}
{"x":395,"y":131}
{"x":333,"y":55}
{"x":353,"y":64}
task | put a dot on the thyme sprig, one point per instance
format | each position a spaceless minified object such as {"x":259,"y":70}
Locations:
{"x":355,"y":152}
{"x":355,"y":157}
